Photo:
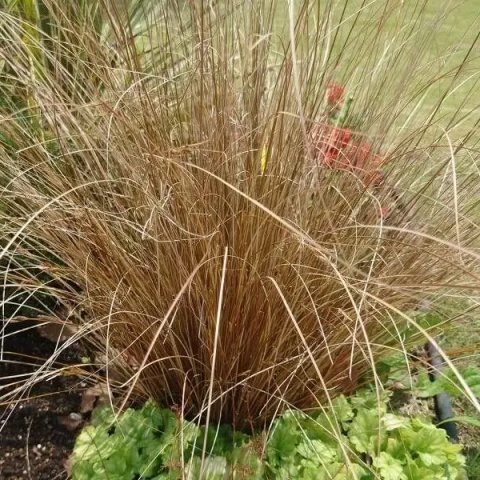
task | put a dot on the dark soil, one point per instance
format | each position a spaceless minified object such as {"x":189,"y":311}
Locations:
{"x":34,"y":441}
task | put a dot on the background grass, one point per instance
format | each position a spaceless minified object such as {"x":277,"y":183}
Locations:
{"x":454,"y":26}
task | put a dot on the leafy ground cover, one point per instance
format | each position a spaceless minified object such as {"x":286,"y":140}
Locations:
{"x":355,"y":438}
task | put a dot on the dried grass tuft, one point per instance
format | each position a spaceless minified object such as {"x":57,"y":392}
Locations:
{"x":166,"y":180}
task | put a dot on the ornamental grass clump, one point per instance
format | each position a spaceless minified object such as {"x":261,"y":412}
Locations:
{"x":165,"y":174}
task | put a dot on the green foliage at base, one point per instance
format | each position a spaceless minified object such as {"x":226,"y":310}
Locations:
{"x":360,"y":439}
{"x":356,"y":438}
{"x":153,"y":443}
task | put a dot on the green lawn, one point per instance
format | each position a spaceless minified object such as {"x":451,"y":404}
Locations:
{"x":453,"y":37}
{"x":435,"y":46}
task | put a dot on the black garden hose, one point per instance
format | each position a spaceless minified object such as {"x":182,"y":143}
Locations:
{"x":443,"y":405}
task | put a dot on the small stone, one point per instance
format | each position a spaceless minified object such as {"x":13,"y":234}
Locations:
{"x":72,"y":421}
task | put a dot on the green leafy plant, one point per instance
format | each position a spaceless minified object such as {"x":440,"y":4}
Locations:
{"x":370,"y":443}
{"x":154,"y":443}
{"x":357,"y":438}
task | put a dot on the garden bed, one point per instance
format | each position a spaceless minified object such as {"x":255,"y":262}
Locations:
{"x":36,"y":437}
{"x":38,"y":433}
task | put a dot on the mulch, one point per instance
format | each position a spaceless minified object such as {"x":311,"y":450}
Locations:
{"x":35,"y":440}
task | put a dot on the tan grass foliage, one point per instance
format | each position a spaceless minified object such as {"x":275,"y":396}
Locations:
{"x":205,"y":279}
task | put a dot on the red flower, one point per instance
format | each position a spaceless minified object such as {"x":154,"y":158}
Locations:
{"x":345,"y":136}
{"x":333,"y":143}
{"x":335,"y":150}
{"x":335,"y":94}
{"x":329,"y":142}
